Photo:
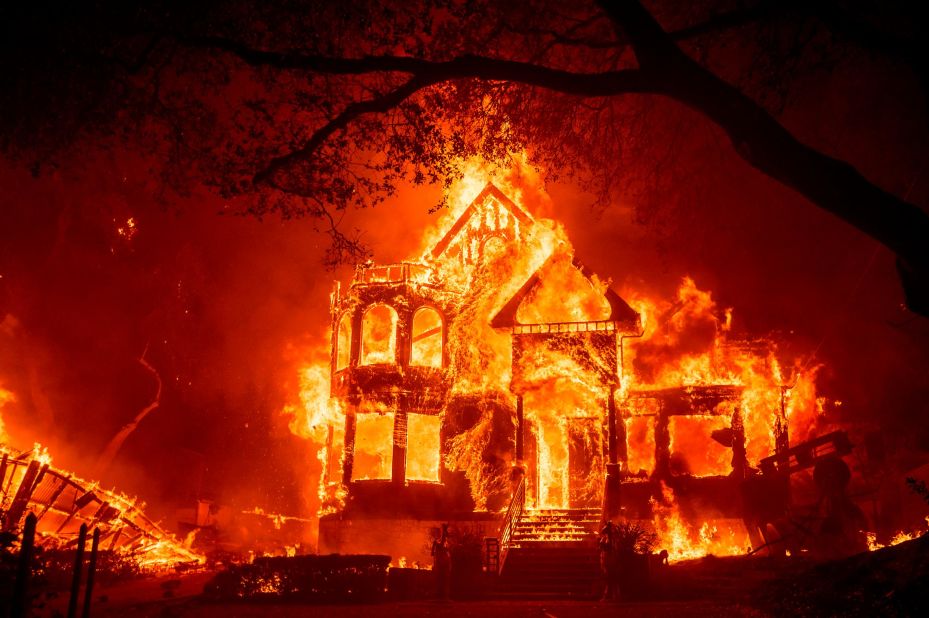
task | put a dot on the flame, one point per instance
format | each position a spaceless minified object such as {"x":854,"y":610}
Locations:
{"x":686,"y":342}
{"x":317,"y":411}
{"x":692,"y":450}
{"x":685,"y":540}
{"x":6,"y":397}
{"x":427,"y":339}
{"x":483,"y":252}
{"x":423,"y":447}
{"x":640,"y":438}
{"x":379,"y":335}
{"x":40,"y":454}
{"x":405,"y":563}
{"x":516,"y":178}
{"x":900,"y":537}
{"x":373,"y":446}
{"x":461,"y":454}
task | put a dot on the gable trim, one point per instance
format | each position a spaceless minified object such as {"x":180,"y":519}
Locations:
{"x":488,"y":191}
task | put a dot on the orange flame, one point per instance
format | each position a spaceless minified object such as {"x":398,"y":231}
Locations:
{"x":688,"y":341}
{"x":685,"y":540}
{"x":6,"y":397}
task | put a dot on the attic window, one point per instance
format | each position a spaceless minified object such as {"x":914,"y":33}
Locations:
{"x":564,"y":294}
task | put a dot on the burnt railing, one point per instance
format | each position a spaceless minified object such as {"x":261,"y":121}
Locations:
{"x":592,"y":326}
{"x":508,"y":526}
{"x":402,"y":272}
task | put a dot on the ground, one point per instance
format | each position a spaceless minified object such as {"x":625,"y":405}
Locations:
{"x":485,"y":609}
{"x":890,"y":582}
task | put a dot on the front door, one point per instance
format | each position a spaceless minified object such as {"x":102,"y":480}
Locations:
{"x":565,"y":463}
{"x":585,"y":463}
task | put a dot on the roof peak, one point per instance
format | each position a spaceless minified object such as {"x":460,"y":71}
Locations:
{"x":489,"y":190}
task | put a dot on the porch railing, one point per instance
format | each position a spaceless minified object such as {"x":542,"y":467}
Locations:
{"x":508,"y":526}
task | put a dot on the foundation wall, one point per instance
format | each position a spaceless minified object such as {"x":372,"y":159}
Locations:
{"x":410,"y":539}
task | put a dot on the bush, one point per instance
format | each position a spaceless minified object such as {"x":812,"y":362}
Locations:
{"x":359,"y":578}
{"x":631,"y":538}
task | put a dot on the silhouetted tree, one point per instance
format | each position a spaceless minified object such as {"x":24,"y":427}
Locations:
{"x":313,"y":107}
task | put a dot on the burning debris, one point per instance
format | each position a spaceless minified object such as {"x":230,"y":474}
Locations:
{"x":62,"y":503}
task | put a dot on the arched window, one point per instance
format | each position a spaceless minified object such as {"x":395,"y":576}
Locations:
{"x":343,"y":342}
{"x":493,"y":247}
{"x":427,"y":338}
{"x":379,"y":335}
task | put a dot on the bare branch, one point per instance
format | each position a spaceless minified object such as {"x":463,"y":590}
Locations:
{"x":382,"y":103}
{"x":760,"y":140}
{"x":595,"y":84}
{"x":735,"y":18}
{"x":116,"y":443}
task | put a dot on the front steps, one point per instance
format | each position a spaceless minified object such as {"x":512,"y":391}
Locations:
{"x":553,"y":553}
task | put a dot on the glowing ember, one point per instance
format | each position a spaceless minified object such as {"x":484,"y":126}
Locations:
{"x":128,"y":229}
{"x":276,"y":518}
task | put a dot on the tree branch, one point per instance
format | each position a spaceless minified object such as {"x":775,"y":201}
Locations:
{"x":425,"y":73}
{"x":116,"y":443}
{"x":763,"y":143}
{"x":735,"y":18}
{"x":665,"y":69}
{"x":382,"y":103}
{"x":595,"y":84}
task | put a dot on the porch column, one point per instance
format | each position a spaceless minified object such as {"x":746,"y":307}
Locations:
{"x":611,"y":426}
{"x":518,"y":471}
{"x":327,"y":466}
{"x":611,"y":490}
{"x":739,"y":460}
{"x":348,"y":458}
{"x":398,"y":461}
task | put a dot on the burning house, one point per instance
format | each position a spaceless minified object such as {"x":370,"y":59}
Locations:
{"x":496,"y":374}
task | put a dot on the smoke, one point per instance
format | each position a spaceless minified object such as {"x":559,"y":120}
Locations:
{"x":686,"y":326}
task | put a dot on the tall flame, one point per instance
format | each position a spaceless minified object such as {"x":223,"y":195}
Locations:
{"x":6,"y":397}
{"x":688,"y":341}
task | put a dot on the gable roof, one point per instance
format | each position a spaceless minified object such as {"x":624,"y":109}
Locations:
{"x":626,"y":318}
{"x":488,"y":191}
